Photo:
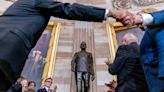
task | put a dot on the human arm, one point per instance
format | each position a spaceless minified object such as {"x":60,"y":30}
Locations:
{"x":145,"y":19}
{"x":120,"y":59}
{"x":71,"y":11}
{"x":76,"y":11}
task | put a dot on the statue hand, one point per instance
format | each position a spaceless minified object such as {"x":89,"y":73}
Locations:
{"x":72,"y":69}
{"x":93,"y":77}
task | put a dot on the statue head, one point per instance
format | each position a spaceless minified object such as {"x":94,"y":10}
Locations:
{"x":83,"y":45}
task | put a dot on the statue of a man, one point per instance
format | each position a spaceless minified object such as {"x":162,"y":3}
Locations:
{"x":82,"y":65}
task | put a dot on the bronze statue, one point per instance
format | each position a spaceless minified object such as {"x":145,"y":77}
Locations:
{"x":82,"y":65}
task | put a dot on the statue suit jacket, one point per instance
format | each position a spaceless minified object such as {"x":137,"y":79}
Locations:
{"x":82,"y":62}
{"x":23,"y":23}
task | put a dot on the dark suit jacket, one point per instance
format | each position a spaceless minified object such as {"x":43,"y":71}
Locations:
{"x":23,"y":23}
{"x":127,"y":67}
{"x":152,"y":53}
{"x":42,"y":90}
{"x":15,"y":88}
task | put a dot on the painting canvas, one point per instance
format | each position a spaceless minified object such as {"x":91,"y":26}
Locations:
{"x":136,"y":31}
{"x":35,"y":63}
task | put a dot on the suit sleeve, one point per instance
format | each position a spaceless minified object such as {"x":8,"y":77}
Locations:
{"x":160,"y":50}
{"x":73,"y":62}
{"x":158,"y":17}
{"x":119,"y":61}
{"x":16,"y":87}
{"x":159,"y":32}
{"x":71,"y":11}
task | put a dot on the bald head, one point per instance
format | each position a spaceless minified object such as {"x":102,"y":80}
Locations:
{"x":129,"y":38}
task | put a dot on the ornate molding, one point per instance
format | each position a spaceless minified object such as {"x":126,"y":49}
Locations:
{"x":122,"y":4}
{"x":148,"y":2}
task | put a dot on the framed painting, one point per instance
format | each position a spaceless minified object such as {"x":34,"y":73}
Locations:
{"x":40,"y":62}
{"x":116,"y":31}
{"x":135,"y":30}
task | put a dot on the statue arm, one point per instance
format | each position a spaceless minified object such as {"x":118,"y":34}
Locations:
{"x":91,"y":65}
{"x":73,"y":62}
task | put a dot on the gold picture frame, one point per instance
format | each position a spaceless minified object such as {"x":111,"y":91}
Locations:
{"x":52,"y":50}
{"x":41,"y":60}
{"x":113,"y":29}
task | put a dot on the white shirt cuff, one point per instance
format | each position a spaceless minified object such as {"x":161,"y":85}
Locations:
{"x":147,"y":19}
{"x":106,"y":14}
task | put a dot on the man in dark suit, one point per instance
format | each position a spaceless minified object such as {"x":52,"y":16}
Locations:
{"x":152,"y":47}
{"x":127,"y":66}
{"x":22,"y":24}
{"x":17,"y":87}
{"x":48,"y":83}
{"x":82,"y":65}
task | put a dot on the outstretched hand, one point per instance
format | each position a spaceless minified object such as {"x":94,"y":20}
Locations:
{"x":125,"y":17}
{"x":108,"y":62}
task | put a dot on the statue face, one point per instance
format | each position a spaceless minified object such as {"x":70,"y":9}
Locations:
{"x":83,"y":45}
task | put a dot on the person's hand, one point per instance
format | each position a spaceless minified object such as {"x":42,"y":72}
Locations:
{"x":55,"y":88}
{"x":108,"y":62}
{"x":111,"y":90}
{"x":119,"y":14}
{"x":114,"y":83}
{"x":138,"y":19}
{"x":127,"y":18}
{"x":122,"y":15}
{"x":111,"y":85}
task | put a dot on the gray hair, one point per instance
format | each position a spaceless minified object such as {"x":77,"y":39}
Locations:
{"x":130,"y":37}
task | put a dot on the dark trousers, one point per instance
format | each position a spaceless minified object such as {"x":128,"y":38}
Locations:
{"x":82,"y":77}
{"x":4,"y":83}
